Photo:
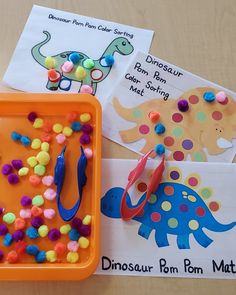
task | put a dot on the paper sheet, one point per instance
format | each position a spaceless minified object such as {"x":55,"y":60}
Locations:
{"x":206,"y":132}
{"x":187,"y":228}
{"x":65,"y":33}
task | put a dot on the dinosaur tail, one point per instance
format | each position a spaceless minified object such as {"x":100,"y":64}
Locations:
{"x":125,"y":113}
{"x":35,"y":51}
{"x":219,"y":227}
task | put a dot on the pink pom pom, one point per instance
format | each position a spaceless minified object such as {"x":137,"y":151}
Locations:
{"x":50,"y":194}
{"x":25,"y":213}
{"x":48,"y":180}
{"x":67,"y":67}
{"x":88,"y":153}
{"x":60,"y":138}
{"x":86,"y":89}
{"x":221,"y":96}
{"x":49,"y":213}
{"x":73,"y":246}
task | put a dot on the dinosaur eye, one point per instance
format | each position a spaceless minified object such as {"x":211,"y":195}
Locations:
{"x":123,"y":43}
{"x":216,"y":129}
{"x":63,"y":55}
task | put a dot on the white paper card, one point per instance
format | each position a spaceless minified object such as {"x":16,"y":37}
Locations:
{"x":206,"y":132}
{"x":187,"y":228}
{"x":65,"y":33}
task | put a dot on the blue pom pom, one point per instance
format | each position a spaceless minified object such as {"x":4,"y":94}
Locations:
{"x":160,"y":149}
{"x":32,"y":233}
{"x":209,"y":96}
{"x":159,"y":128}
{"x":76,"y":126}
{"x":74,"y":234}
{"x":40,"y":256}
{"x":74,"y":57}
{"x":25,"y":140}
{"x":109,"y":59}
{"x":7,"y":240}
{"x":32,"y":250}
{"x":15,"y":136}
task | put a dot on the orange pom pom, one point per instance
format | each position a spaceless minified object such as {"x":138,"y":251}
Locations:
{"x":34,"y":180}
{"x":19,"y":223}
{"x":46,"y":137}
{"x":12,"y":256}
{"x":71,"y":117}
{"x":47,"y":126}
{"x":60,"y":248}
{"x":36,"y":211}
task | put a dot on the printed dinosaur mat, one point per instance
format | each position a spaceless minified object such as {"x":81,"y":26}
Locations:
{"x":187,"y":228}
{"x":57,"y":34}
{"x":205,"y":132}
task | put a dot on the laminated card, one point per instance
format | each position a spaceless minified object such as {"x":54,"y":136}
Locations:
{"x":205,"y":131}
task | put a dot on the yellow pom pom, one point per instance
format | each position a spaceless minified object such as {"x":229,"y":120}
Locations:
{"x":23,"y":171}
{"x":50,"y":62}
{"x":51,"y":256}
{"x":43,"y":158}
{"x":38,"y":123}
{"x":80,"y":73}
{"x":43,"y":231}
{"x":45,"y":146}
{"x":83,"y":242}
{"x":72,"y":257}
{"x":39,"y":170}
{"x":87,"y":219}
{"x":32,"y":161}
{"x":64,"y":229}
{"x":67,"y":131}
{"x":85,"y":117}
{"x":36,"y":143}
{"x":57,"y":128}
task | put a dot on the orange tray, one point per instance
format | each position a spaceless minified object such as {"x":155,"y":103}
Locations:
{"x":14,"y":108}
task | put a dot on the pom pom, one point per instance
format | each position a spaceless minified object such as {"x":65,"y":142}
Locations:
{"x":36,"y":144}
{"x":50,"y":62}
{"x":76,"y":223}
{"x":221,"y":97}
{"x":2,"y":210}
{"x":19,"y":223}
{"x":48,"y":180}
{"x":32,"y":250}
{"x":3,"y":230}
{"x":45,"y":146}
{"x":6,"y":169}
{"x":80,"y":73}
{"x":54,"y":234}
{"x":209,"y":96}
{"x":25,"y":201}
{"x":25,"y":140}
{"x":39,"y":170}
{"x":67,"y":131}
{"x":83,"y":242}
{"x":74,"y":234}
{"x":154,"y":116}
{"x":88,"y":153}
{"x":109,"y":59}
{"x":160,"y":128}
{"x":88,"y":63}
{"x":67,"y":67}
{"x":85,"y":230}
{"x":38,"y":200}
{"x":32,"y":233}
{"x":37,"y":221}
{"x":65,"y":229}
{"x":23,"y":171}
{"x":85,"y":117}
{"x":46,"y":137}
{"x":87,"y":219}
{"x":36,"y":211}
{"x":1,"y":255}
{"x":50,"y":194}
{"x":160,"y":149}
{"x":86,"y":89}
{"x":43,"y":158}
{"x":32,"y":116}
{"x":15,"y":136}
{"x":76,"y":126}
{"x":7,"y":240}
{"x":57,"y":128}
{"x":183,"y":105}
{"x":72,"y":257}
{"x":12,"y":257}
{"x":73,"y":246}
{"x":49,"y":213}
{"x":53,"y":75}
{"x":47,"y":126}
{"x":85,"y":138}
{"x":74,"y":57}
{"x":13,"y":178}
{"x":43,"y":231}
{"x":9,"y":218}
{"x":60,"y":138}
{"x":34,"y":180}
{"x":32,"y":161}
{"x":40,"y":257}
{"x":60,"y":248}
{"x":18,"y":235}
{"x":20,"y":247}
{"x":87,"y":128}
{"x":25,"y":213}
{"x":51,"y":256}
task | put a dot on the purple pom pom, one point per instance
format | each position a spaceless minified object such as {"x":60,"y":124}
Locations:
{"x":26,"y":201}
{"x":183,"y":105}
{"x":76,"y":223}
{"x":1,"y":254}
{"x":84,"y":138}
{"x":87,"y":128}
{"x":6,"y":169}
{"x":32,"y":116}
{"x":3,"y":230}
{"x":85,"y":230}
{"x":37,"y":221}
{"x":2,"y":210}
{"x":18,"y":235}
{"x":13,"y":178}
{"x":17,"y":164}
{"x":54,"y":234}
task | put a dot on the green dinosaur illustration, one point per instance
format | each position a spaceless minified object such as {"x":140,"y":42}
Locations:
{"x":97,"y":74}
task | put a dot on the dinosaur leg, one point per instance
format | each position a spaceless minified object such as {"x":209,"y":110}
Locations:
{"x":161,"y":239}
{"x":94,"y":86}
{"x":130,"y":135}
{"x":144,"y":231}
{"x":147,"y":147}
{"x":53,"y":85}
{"x":183,"y":241}
{"x":202,"y":238}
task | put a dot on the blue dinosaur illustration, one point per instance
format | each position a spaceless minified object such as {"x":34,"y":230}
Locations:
{"x":173,"y":209}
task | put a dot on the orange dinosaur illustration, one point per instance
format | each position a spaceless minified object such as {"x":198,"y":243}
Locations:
{"x":206,"y":128}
